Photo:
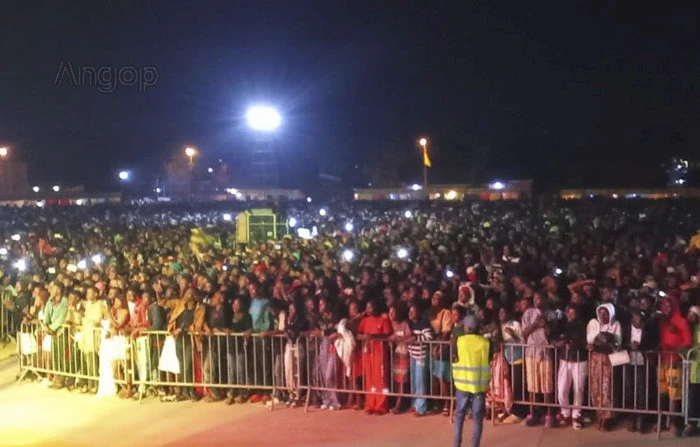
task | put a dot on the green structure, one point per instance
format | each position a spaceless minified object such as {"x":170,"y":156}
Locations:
{"x":259,"y":225}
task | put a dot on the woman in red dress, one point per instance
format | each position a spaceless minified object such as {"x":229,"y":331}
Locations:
{"x":375,"y":327}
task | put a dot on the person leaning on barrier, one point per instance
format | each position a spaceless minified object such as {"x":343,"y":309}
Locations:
{"x":186,"y":318}
{"x":215,"y":366}
{"x":238,"y":374}
{"x":54,"y":315}
{"x":573,"y":366}
{"x":638,"y":340}
{"x":471,"y":375}
{"x":157,"y":322}
{"x":72,"y":348}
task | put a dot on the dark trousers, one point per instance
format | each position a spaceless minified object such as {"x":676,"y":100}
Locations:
{"x":183,"y":344}
{"x":518,"y":383}
{"x":58,"y":352}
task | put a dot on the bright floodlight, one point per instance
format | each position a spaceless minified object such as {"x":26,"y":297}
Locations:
{"x":558,"y":271}
{"x":227,"y":217}
{"x":3,"y":152}
{"x":423,"y":141}
{"x":308,"y":200}
{"x":190,"y":151}
{"x":402,"y":253}
{"x":497,"y":185}
{"x":322,"y":212}
{"x":292,"y":222}
{"x":263,"y":118}
{"x":349,"y":227}
{"x":450,"y":274}
{"x":416,"y":187}
{"x":56,"y":188}
{"x":348,"y":255}
{"x":408,"y":214}
{"x":36,"y":189}
{"x":123,"y":175}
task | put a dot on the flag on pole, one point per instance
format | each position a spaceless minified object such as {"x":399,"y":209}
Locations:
{"x":426,"y":159}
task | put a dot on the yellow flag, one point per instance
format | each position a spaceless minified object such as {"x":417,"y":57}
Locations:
{"x":426,"y":159}
{"x":694,"y":244}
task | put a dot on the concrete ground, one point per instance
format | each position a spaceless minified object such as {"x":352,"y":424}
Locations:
{"x":31,"y":415}
{"x":8,"y":349}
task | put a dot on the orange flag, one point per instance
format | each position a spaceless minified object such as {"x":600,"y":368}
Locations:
{"x":426,"y":159}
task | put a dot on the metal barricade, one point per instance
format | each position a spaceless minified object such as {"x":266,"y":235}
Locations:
{"x":329,"y":370}
{"x":647,"y":384}
{"x":376,"y":369}
{"x":228,"y":365}
{"x":71,"y":355}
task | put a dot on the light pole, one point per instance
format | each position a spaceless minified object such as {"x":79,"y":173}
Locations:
{"x":190,"y":152}
{"x":264,"y":121}
{"x":426,"y":163}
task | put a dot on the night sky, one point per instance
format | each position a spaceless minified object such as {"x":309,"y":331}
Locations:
{"x":569,"y":94}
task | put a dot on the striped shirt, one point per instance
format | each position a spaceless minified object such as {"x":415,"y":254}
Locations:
{"x":422,"y":332}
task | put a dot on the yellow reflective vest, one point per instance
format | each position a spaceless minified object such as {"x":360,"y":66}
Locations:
{"x":471,"y":373}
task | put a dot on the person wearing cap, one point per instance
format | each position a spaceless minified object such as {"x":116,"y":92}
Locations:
{"x":471,"y":375}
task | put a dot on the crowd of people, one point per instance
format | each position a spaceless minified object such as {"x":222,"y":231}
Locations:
{"x":595,"y":300}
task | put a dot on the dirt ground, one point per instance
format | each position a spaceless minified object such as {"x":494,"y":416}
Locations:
{"x":31,"y":415}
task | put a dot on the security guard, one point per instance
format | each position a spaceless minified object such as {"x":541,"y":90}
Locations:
{"x":471,"y":375}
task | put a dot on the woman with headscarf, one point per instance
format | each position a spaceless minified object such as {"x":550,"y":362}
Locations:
{"x":603,"y":335}
{"x":375,"y":365}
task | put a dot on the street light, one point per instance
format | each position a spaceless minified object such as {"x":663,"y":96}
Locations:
{"x":263,"y":118}
{"x":36,"y":189}
{"x":56,"y":188}
{"x":190,"y":152}
{"x":124,"y":175}
{"x":424,"y":144}
{"x":3,"y":152}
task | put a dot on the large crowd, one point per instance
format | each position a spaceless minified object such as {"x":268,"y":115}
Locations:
{"x":595,"y":300}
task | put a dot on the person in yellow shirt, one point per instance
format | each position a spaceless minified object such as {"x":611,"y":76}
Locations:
{"x":471,"y":374}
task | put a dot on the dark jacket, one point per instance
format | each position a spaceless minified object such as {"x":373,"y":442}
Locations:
{"x":574,"y":333}
{"x":157,"y":318}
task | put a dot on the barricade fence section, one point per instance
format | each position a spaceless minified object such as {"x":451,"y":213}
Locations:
{"x":335,"y":370}
{"x":613,"y":384}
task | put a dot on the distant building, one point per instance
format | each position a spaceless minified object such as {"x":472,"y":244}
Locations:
{"x":13,"y":178}
{"x":505,"y":190}
{"x":629,"y":193}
